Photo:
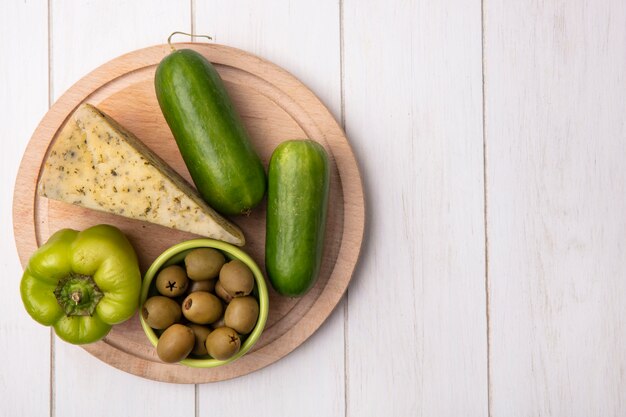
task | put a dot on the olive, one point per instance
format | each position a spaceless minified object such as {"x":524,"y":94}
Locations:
{"x":242,"y":314}
{"x":208,"y":286}
{"x":172,"y":281}
{"x":222,"y":343}
{"x":204,"y":263}
{"x":236,"y":278}
{"x":175,"y":343}
{"x":202,"y":307}
{"x":219,"y":323}
{"x":221,"y":292}
{"x":160,"y":312}
{"x":200,"y":333}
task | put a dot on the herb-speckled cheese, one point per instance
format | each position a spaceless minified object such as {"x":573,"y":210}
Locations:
{"x":97,"y":164}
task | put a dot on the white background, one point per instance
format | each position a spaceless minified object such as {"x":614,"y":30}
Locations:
{"x":491,"y":138}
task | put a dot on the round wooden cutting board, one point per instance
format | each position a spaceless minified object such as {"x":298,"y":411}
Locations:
{"x":274,"y":107}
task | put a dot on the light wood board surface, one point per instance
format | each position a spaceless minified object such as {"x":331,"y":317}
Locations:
{"x":512,"y":308}
{"x":274,"y":107}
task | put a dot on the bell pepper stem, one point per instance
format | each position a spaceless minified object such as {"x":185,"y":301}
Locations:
{"x":78,"y":295}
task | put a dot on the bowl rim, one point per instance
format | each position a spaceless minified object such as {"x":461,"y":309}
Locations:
{"x":232,"y":252}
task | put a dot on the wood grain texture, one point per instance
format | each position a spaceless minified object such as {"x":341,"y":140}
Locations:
{"x":308,"y":382}
{"x":556,"y":141}
{"x":84,"y":35}
{"x":416,"y":309}
{"x":272,"y":105}
{"x":25,"y":345}
{"x":302,"y":38}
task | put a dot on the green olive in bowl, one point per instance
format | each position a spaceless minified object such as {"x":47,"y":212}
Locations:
{"x":241,"y":314}
{"x":172,"y":281}
{"x":221,"y":292}
{"x":206,"y":285}
{"x":236,"y":278}
{"x":175,"y":256}
{"x":160,"y":312}
{"x":201,"y":307}
{"x":222,"y":343}
{"x":200,"y":333}
{"x":204,"y":263}
{"x":175,"y":343}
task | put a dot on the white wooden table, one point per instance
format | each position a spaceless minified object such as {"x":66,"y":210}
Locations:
{"x":491,"y":137}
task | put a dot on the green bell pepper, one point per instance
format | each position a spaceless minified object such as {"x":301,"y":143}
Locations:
{"x":82,"y":283}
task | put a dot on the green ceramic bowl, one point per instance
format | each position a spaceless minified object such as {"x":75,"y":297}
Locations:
{"x":175,"y":255}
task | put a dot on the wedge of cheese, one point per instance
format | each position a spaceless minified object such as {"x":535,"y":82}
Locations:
{"x":97,"y":164}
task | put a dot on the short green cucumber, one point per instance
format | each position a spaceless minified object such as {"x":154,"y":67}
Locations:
{"x":297,"y":202}
{"x":209,"y":133}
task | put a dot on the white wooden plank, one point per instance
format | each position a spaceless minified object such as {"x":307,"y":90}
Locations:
{"x":91,"y":32}
{"x":416,"y":336}
{"x":85,"y":35}
{"x":556,"y":141}
{"x":308,"y":382}
{"x":25,"y":345}
{"x":303,"y":38}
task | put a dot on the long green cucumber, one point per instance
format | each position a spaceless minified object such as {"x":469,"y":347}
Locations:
{"x":296,"y":215}
{"x":209,"y":133}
